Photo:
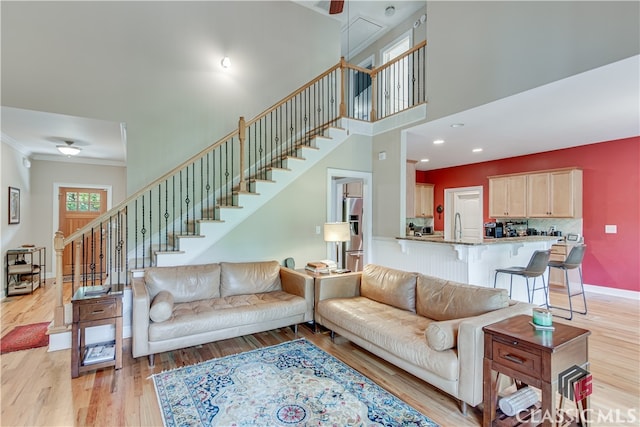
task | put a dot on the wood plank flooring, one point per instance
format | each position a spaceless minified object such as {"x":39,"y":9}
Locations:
{"x":37,"y":389}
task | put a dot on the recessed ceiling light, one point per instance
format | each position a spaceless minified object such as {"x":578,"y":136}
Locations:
{"x":477,"y":150}
{"x":438,"y":141}
{"x":424,"y":160}
{"x":457,"y":125}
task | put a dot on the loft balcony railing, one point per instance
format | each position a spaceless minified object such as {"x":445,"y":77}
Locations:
{"x":127,"y":236}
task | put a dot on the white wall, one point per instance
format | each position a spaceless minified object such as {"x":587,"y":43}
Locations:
{"x":14,"y":174}
{"x":155,"y":66}
{"x":285,"y":227}
{"x":481,"y":51}
{"x":36,"y":186}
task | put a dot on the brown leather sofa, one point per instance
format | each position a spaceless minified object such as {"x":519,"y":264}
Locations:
{"x":427,"y":326}
{"x":184,"y":306}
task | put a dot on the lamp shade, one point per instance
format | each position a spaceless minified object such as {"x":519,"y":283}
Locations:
{"x":337,"y":232}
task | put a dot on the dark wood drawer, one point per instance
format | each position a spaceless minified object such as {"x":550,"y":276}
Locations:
{"x":518,"y":359}
{"x":98,"y":310}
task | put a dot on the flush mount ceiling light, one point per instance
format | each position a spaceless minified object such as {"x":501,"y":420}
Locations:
{"x":477,"y":150}
{"x":390,"y":11}
{"x":424,"y":160}
{"x":457,"y":125}
{"x":225,"y":62}
{"x":69,"y":149}
{"x":438,"y":141}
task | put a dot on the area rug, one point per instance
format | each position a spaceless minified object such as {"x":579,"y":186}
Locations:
{"x":290,"y":384}
{"x":25,"y":337}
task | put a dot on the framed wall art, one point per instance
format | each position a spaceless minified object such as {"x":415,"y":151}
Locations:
{"x":14,"y":205}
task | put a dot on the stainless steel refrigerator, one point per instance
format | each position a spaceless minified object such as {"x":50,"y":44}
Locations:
{"x":353,"y":250}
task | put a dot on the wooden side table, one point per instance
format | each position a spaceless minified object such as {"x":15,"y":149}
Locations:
{"x":513,"y":347}
{"x":91,"y":311}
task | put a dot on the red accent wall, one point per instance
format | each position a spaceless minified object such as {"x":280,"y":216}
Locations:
{"x":611,"y":195}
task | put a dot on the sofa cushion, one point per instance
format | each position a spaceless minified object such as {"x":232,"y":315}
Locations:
{"x":399,"y":332}
{"x":440,"y":299}
{"x":443,"y":335}
{"x":217,"y":314}
{"x":388,"y":286}
{"x":242,"y":278}
{"x":186,"y":282}
{"x":161,"y":306}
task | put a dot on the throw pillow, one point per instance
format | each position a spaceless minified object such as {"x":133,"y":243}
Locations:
{"x":442,"y":335}
{"x":161,"y":307}
{"x":392,"y":287}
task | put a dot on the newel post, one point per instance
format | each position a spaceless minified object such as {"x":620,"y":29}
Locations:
{"x":58,"y":314}
{"x":374,"y":92}
{"x":343,"y":82}
{"x":242,"y":185}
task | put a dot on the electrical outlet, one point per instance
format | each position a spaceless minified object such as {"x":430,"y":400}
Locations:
{"x":611,"y":229}
{"x":317,"y":229}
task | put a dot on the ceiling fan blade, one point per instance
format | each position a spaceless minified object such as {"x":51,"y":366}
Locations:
{"x":336,"y":6}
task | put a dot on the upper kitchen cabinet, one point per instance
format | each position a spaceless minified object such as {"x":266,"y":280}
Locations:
{"x":424,"y":200}
{"x":411,"y":189}
{"x":353,"y":189}
{"x":555,"y":194}
{"x":508,"y":196}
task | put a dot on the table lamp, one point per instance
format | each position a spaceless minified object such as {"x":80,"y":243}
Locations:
{"x":337,"y":232}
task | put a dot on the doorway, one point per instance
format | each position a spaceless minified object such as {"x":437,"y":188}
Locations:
{"x":463,"y":214}
{"x":78,"y":206}
{"x":349,"y":200}
{"x":394,"y":80}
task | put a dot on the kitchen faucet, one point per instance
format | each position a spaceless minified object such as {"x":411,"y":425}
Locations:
{"x":457,"y":227}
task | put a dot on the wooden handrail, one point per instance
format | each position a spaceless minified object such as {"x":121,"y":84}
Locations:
{"x":340,"y":65}
{"x":292,"y":95}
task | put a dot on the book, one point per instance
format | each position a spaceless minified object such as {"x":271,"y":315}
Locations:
{"x":99,"y":353}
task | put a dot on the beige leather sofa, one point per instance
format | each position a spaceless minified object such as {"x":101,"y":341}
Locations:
{"x":184,"y":306}
{"x":429,"y":327}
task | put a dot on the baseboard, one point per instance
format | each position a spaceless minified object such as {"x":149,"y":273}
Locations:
{"x":614,"y":292}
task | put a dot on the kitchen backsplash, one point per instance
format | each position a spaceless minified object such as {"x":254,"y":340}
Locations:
{"x":420,"y":222}
{"x":567,"y":226}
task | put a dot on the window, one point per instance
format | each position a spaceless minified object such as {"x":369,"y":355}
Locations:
{"x":395,"y":78}
{"x":83,"y":202}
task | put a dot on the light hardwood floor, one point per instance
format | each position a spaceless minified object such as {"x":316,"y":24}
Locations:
{"x":37,"y":389}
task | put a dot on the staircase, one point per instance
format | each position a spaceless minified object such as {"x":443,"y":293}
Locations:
{"x":206,"y":232}
{"x":177,"y":217}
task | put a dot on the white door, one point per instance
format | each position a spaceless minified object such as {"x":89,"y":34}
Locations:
{"x":469,"y":207}
{"x":394,"y":80}
{"x":463,"y":213}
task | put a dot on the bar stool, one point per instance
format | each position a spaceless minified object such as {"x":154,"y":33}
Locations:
{"x":573,"y":261}
{"x":536,"y":268}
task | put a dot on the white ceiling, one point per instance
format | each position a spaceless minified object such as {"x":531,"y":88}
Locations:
{"x":595,"y":106}
{"x":598,"y":105}
{"x":364,"y":21}
{"x":36,"y":134}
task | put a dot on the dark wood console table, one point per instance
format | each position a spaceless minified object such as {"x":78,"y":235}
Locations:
{"x":513,"y":347}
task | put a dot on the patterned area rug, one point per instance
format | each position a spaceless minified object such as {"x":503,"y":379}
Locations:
{"x":290,"y":384}
{"x":25,"y":337}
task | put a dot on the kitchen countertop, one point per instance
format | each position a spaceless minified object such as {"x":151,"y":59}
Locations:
{"x":502,"y":240}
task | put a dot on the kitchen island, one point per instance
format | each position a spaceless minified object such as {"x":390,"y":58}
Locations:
{"x":466,"y":261}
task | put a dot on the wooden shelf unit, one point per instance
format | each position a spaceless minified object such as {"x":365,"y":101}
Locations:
{"x":25,"y":268}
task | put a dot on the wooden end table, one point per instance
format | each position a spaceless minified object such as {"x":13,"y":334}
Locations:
{"x":513,"y":347}
{"x":91,"y":311}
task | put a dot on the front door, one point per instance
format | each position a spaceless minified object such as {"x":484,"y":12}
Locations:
{"x":78,"y":207}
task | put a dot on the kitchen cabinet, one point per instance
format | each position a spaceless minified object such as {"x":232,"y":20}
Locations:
{"x":424,"y":200}
{"x":508,"y":196}
{"x":411,"y":189}
{"x":353,"y":189}
{"x":555,"y":194}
